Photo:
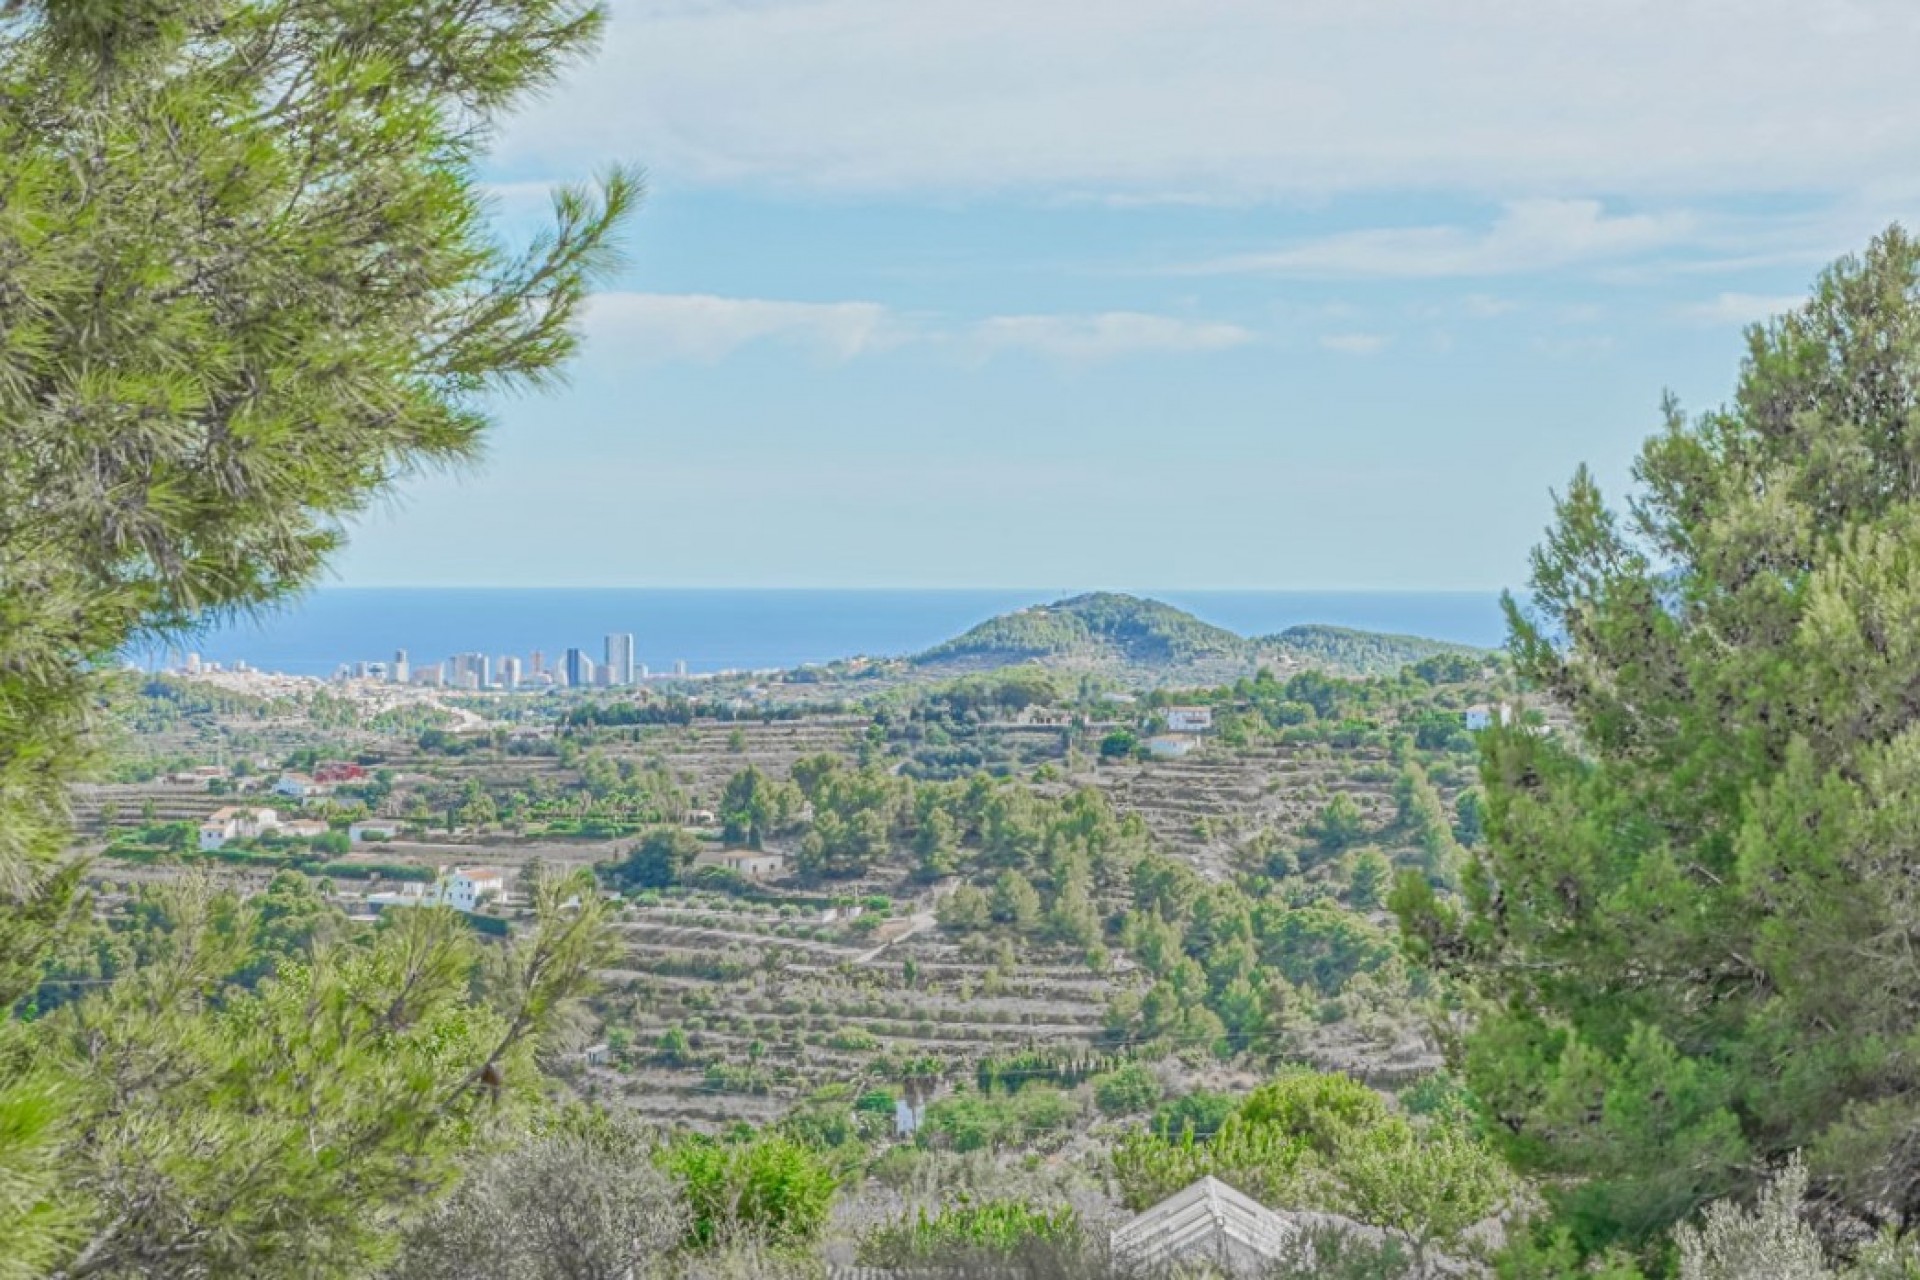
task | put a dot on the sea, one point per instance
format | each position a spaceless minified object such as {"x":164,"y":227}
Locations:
{"x":740,"y":630}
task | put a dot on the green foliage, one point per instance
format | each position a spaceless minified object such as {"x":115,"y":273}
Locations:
{"x":765,"y":1188}
{"x":969,"y":1229}
{"x":1339,"y":824}
{"x":1366,"y":653}
{"x":243,"y":1176}
{"x":1198,"y":1114}
{"x":245,"y":283}
{"x":1101,"y":626}
{"x":1688,"y":920}
{"x":753,"y":806}
{"x":979,"y":1122}
{"x":660,"y":859}
{"x":579,"y":1202}
{"x":1368,"y":878}
{"x":1327,"y":1142}
{"x":1126,"y":1090}
{"x":1013,"y":902}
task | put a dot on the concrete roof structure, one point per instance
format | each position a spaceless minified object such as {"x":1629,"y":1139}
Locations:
{"x":1209,"y":1224}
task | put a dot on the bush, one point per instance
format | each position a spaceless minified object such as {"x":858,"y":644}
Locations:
{"x":1127,"y":1089}
{"x":768,"y":1189}
{"x":1200,"y":1113}
{"x":978,"y":1122}
{"x":987,"y":1229}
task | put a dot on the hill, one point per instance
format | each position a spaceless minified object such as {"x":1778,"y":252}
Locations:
{"x":1366,"y":653}
{"x":1098,"y":629}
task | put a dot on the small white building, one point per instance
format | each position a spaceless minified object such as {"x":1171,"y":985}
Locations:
{"x":360,"y":832}
{"x":1171,"y":746}
{"x":300,"y":786}
{"x":1485,"y":716}
{"x":753,"y":864}
{"x":1189,"y":719}
{"x":235,"y":823}
{"x":465,"y":888}
{"x":462,"y":888}
{"x":304,"y":828}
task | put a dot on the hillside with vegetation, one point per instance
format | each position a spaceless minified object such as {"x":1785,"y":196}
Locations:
{"x":1598,"y":961}
{"x":1149,"y":642}
{"x":1353,"y":652}
{"x":1102,"y":629}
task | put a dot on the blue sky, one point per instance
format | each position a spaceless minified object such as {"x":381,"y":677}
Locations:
{"x":1296,"y":294}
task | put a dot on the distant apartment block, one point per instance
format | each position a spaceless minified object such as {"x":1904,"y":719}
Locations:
{"x":619,"y":653}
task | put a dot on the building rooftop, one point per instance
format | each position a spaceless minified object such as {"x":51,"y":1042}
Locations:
{"x":1206,"y":1222}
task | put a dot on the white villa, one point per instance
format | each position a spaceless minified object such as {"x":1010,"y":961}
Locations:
{"x":1189,"y":719}
{"x":462,"y":888}
{"x":235,"y":823}
{"x":363,"y":831}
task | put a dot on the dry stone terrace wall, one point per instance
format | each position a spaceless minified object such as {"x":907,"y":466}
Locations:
{"x":787,"y":1005}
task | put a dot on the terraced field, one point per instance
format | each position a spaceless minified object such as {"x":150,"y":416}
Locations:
{"x":774,"y":1005}
{"x":767,"y":1001}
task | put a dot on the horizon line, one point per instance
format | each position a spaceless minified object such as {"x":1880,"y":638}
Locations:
{"x":816,"y":587}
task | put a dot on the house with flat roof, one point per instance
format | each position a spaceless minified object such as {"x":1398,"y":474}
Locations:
{"x":1189,"y":719}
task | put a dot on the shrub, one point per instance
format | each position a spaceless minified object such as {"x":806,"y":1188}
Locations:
{"x":1127,"y":1089}
{"x":993,"y":1228}
{"x":1200,"y":1113}
{"x":769,"y":1189}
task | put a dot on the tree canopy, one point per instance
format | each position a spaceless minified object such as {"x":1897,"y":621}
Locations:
{"x":1693,"y":918}
{"x":247,"y":282}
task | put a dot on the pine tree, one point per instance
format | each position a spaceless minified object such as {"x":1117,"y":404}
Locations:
{"x":1693,"y":920}
{"x":246,"y":284}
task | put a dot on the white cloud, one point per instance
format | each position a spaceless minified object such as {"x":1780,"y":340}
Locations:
{"x":1741,"y":308}
{"x":1355,"y":344}
{"x":1529,"y":235}
{"x":1220,"y":99}
{"x":1483,"y":306}
{"x":653,"y":327}
{"x":701,"y":327}
{"x":1102,"y":336}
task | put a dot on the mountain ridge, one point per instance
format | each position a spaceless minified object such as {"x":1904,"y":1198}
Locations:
{"x":1108,"y":629}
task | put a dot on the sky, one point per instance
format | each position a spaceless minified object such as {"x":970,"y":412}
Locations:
{"x":1251,"y":294}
